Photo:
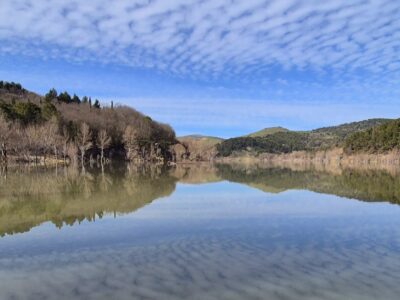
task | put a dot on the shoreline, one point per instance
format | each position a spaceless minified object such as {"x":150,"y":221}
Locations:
{"x":333,"y":159}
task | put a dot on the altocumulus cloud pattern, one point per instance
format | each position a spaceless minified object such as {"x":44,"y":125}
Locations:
{"x":208,"y":37}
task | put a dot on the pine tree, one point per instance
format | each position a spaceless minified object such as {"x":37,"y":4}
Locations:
{"x":76,"y":99}
{"x":51,"y":95}
{"x":96,"y":104}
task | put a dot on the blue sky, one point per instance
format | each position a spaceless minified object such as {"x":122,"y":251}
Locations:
{"x":215,"y":67}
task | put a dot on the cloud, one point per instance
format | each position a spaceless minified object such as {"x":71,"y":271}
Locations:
{"x":209,"y":37}
{"x":231,"y":117}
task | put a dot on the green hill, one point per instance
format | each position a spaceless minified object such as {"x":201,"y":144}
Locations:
{"x":280,"y":142}
{"x":286,"y":141}
{"x":267,"y":131}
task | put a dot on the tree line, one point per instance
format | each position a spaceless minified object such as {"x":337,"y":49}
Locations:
{"x":60,"y":126}
{"x":65,"y":97}
{"x":279,"y":142}
{"x":11,"y":87}
{"x":381,"y":138}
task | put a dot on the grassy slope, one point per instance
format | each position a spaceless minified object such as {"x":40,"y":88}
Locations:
{"x":267,"y":131}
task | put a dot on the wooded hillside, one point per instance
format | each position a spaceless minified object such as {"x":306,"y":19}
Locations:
{"x":377,"y":139}
{"x":74,"y":128}
{"x":289,"y":141}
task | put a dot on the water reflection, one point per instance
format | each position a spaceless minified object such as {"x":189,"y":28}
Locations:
{"x":207,"y":239}
{"x":29,"y":197}
{"x":365,"y":185}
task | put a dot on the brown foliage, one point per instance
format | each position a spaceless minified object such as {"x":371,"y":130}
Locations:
{"x":118,"y":129}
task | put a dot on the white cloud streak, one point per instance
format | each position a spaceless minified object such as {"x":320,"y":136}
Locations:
{"x":208,"y":37}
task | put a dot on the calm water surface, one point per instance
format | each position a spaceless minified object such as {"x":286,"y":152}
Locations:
{"x":199,"y":232}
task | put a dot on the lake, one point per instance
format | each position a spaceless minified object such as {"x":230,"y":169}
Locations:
{"x":199,"y":232}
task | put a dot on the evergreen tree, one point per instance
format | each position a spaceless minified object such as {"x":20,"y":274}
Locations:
{"x":52,"y":94}
{"x":75,"y":99}
{"x":48,"y":110}
{"x":64,"y":97}
{"x":27,"y":112}
{"x":96,"y":104}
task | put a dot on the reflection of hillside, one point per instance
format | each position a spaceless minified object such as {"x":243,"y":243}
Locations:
{"x":195,"y":173}
{"x":366,"y":185}
{"x":28,"y":199}
{"x":66,"y":196}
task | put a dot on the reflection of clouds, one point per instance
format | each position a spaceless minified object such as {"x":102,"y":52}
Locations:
{"x":214,"y":241}
{"x":284,"y":259}
{"x":225,"y":200}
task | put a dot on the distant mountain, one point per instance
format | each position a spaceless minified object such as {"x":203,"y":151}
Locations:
{"x":200,"y":137}
{"x":267,"y":131}
{"x":285,"y":141}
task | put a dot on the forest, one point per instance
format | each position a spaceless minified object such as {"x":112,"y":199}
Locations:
{"x":279,"y":142}
{"x":61,"y":127}
{"x":356,"y":136}
{"x":381,"y":138}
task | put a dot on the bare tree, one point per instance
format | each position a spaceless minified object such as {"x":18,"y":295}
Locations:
{"x":30,"y":137}
{"x":56,"y":138}
{"x":50,"y":137}
{"x":84,"y":140}
{"x":33,"y":139}
{"x":5,"y":133}
{"x":65,"y":140}
{"x":17,"y":140}
{"x":72,"y":151}
{"x":104,"y":142}
{"x":130,"y":140}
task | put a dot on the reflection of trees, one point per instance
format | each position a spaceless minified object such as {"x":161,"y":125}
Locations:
{"x":31,"y":197}
{"x":365,"y":185}
{"x":196,"y":173}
